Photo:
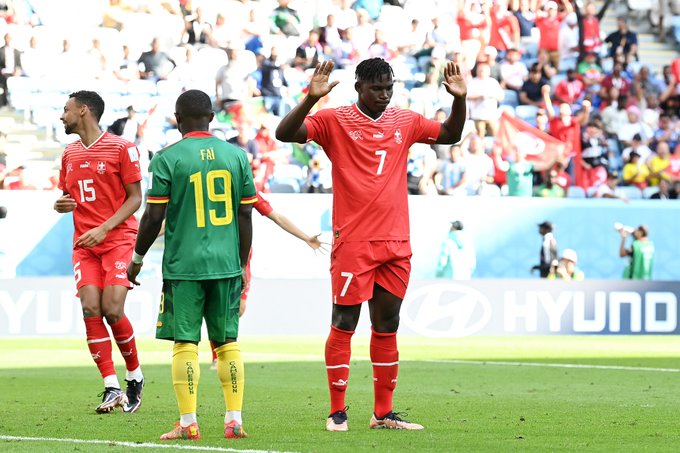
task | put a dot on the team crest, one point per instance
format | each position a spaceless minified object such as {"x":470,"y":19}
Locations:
{"x":397,"y":136}
{"x":120,"y":265}
{"x":101,"y":167}
{"x":356,"y":135}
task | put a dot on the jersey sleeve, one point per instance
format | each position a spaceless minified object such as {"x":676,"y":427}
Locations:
{"x":424,"y":130}
{"x":159,"y":180}
{"x":62,"y":173}
{"x":129,"y":164}
{"x":319,"y":127}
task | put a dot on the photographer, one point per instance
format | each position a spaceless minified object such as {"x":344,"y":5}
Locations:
{"x":548,"y":252}
{"x":641,"y":253}
{"x":565,"y":268}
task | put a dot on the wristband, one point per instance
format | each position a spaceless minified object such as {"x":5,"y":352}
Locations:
{"x":137,"y":258}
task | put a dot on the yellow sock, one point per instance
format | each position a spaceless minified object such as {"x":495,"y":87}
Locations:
{"x":185,"y":375}
{"x":231,"y":372}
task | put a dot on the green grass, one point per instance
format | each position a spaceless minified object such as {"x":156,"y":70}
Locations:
{"x":472,"y":395}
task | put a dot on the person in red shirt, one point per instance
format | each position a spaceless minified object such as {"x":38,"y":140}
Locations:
{"x":548,"y":23}
{"x":570,"y":89}
{"x":368,"y":145}
{"x":100,"y":179}
{"x":504,"y":31}
{"x":592,"y":40}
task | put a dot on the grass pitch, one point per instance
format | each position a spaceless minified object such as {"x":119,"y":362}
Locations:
{"x":524,"y":394}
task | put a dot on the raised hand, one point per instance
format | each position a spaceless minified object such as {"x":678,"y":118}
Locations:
{"x":454,"y":81}
{"x":319,"y":86}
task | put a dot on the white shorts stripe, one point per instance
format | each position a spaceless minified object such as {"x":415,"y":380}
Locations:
{"x":125,"y":341}
{"x":334,"y":367}
{"x":385,"y":364}
{"x":98,"y":340}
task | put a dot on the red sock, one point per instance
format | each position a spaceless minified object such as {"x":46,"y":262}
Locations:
{"x":385,"y":360}
{"x":99,"y":344}
{"x":125,"y":339}
{"x":214,"y":354}
{"x":338,"y":352}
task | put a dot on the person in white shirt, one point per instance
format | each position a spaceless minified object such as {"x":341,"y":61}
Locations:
{"x":484,"y":94}
{"x":513,"y":71}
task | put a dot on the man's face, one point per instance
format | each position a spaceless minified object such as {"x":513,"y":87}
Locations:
{"x":375,"y":95}
{"x":70,"y":117}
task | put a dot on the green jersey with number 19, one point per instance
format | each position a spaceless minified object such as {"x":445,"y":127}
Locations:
{"x":203,"y":180}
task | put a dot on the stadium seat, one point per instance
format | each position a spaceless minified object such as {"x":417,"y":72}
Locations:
{"x":526,"y":112}
{"x":591,"y":191}
{"x":284,"y":187}
{"x":647,"y":192}
{"x":142,"y":86}
{"x":511,"y":98}
{"x":631,"y":192}
{"x":490,"y":190}
{"x":21,"y":91}
{"x":576,"y":192}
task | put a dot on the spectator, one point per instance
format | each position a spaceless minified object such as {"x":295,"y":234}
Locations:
{"x":634,"y":126}
{"x":548,"y":70}
{"x":640,"y":253}
{"x":347,"y":54}
{"x":484,"y":95}
{"x":310,"y":52}
{"x":659,"y":164}
{"x":345,"y":15}
{"x":380,"y":47}
{"x":364,"y":32}
{"x":635,"y":172}
{"x":233,"y":82}
{"x":548,"y":22}
{"x":592,"y":42}
{"x":505,"y":31}
{"x":594,"y":156}
{"x":284,"y":20}
{"x":19,"y":180}
{"x":617,"y":80}
{"x":520,"y":175}
{"x":644,"y":85}
{"x":569,"y":90}
{"x":569,"y":44}
{"x":550,"y":188}
{"x":513,"y":72}
{"x":155,"y":64}
{"x":472,"y":24}
{"x":420,"y":168}
{"x":639,"y":147}
{"x":128,"y":68}
{"x":479,"y":168}
{"x":614,"y":115}
{"x":590,"y":70}
{"x":453,"y":173}
{"x":273,"y":83}
{"x":548,"y":251}
{"x":611,"y":189}
{"x":623,"y":40}
{"x":127,"y":126}
{"x":245,"y":141}
{"x":457,"y":257}
{"x":329,"y":36}
{"x":565,"y":268}
{"x":673,"y":169}
{"x":664,"y":192}
{"x":10,"y":66}
{"x":196,"y":29}
{"x":526,"y":17}
{"x":532,"y":89}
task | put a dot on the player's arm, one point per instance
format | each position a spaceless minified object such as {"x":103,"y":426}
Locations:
{"x":149,"y":228}
{"x":65,"y":203}
{"x":292,"y":127}
{"x":623,"y":251}
{"x":284,"y":222}
{"x":452,"y":127}
{"x":133,"y":200}
{"x":245,"y":230}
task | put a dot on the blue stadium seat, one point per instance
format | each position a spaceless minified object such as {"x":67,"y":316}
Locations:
{"x":511,"y":98}
{"x":576,"y":192}
{"x":526,"y":112}
{"x":647,"y":192}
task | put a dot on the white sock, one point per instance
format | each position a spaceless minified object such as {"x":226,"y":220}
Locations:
{"x":187,"y":419}
{"x":233,"y":415}
{"x":111,"y":381}
{"x":135,"y":374}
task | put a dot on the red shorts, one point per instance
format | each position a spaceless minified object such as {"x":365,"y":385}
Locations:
{"x":103,"y":265}
{"x":357,"y":266}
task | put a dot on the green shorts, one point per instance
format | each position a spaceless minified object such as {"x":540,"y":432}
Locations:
{"x":185,"y":303}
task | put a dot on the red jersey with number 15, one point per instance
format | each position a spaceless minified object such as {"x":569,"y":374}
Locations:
{"x":369,"y":157}
{"x":96,"y":177}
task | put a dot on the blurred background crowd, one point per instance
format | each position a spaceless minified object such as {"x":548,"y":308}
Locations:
{"x":565,"y":98}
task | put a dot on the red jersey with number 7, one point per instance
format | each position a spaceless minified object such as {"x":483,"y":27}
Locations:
{"x":96,"y":177}
{"x":369,"y":157}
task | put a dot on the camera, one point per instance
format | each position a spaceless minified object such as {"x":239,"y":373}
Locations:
{"x":621,"y":227}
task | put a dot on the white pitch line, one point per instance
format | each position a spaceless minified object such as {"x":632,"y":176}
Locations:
{"x":131,"y":444}
{"x":555,"y":365}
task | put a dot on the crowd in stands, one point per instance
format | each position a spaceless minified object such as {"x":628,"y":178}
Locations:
{"x":532,"y":60}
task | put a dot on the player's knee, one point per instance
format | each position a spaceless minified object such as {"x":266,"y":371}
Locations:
{"x":346,"y":318}
{"x":386,"y":325}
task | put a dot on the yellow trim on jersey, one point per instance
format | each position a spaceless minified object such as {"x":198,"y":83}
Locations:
{"x":250,"y":200}
{"x":157,"y":200}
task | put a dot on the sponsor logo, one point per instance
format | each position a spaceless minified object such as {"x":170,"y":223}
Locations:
{"x":127,"y":353}
{"x":133,"y":153}
{"x":379,"y":135}
{"x":339,"y":383}
{"x":446,"y":310}
{"x":96,"y":356}
{"x":121,"y":276}
{"x":85,"y":164}
{"x":398,"y":137}
{"x":120,"y":265}
{"x":356,"y":135}
{"x":101,"y":167}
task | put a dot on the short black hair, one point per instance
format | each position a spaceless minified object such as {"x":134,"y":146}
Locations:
{"x":194,"y":104}
{"x":92,"y":100}
{"x":373,"y":69}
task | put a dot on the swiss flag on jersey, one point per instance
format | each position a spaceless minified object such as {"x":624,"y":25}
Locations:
{"x":540,"y":147}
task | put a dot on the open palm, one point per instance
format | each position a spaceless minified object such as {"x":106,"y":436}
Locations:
{"x":319,"y":86}
{"x":454,"y":81}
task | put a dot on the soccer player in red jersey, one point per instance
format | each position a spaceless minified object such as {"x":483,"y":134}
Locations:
{"x":100,"y":179}
{"x":265,"y":209}
{"x":368,"y":145}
